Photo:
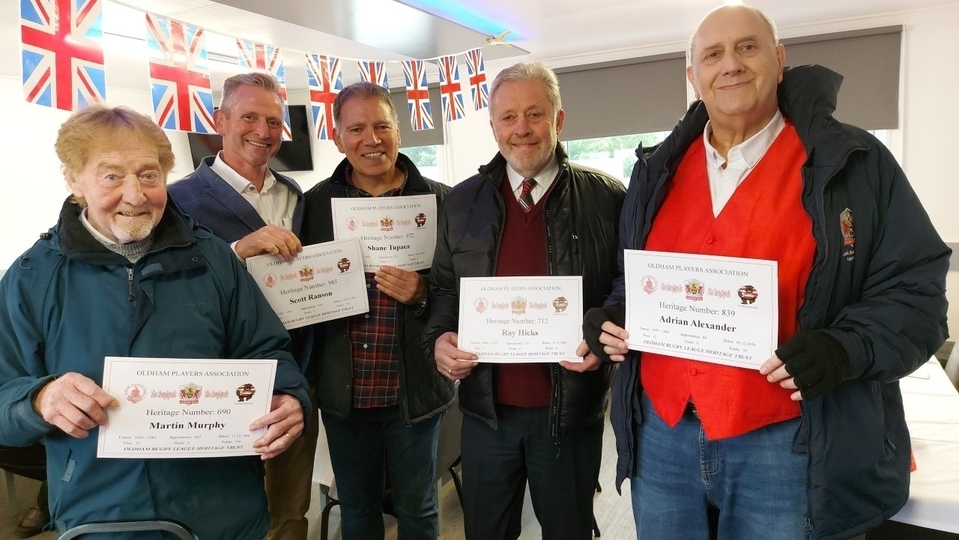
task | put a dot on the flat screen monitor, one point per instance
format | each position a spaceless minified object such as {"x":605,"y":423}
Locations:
{"x":295,"y":155}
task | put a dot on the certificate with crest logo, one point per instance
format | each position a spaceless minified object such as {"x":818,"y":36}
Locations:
{"x":184,"y":408}
{"x":723,"y":310}
{"x":393,"y":231}
{"x":324,"y":282}
{"x":521,"y":319}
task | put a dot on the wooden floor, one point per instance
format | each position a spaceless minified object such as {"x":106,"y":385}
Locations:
{"x":613,"y":512}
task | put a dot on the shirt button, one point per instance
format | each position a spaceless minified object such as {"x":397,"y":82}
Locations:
{"x":710,"y":240}
{"x":367,"y":285}
{"x":367,"y":316}
{"x":366,"y":346}
{"x":693,"y":372}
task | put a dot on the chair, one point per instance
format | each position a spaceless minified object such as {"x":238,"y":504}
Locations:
{"x":13,"y":510}
{"x":952,"y":367}
{"x":181,"y":531}
{"x":447,"y":459}
{"x":29,"y":462}
{"x":448,"y":449}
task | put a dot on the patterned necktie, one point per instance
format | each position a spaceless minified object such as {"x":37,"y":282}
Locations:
{"x":525,"y":197}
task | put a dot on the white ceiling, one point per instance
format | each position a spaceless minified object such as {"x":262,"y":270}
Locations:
{"x":561,"y":32}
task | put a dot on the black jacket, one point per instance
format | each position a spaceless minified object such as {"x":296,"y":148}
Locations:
{"x":582,"y":213}
{"x":423,"y":391}
{"x":882,"y":298}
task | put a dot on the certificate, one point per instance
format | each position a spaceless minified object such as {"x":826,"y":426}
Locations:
{"x":324,"y":282}
{"x":723,"y":310}
{"x":521,"y":319}
{"x":393,"y":231}
{"x":184,"y":408}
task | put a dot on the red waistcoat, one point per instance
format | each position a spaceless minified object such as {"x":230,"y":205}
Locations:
{"x":764,"y":219}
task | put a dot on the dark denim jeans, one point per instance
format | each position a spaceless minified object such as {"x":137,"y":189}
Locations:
{"x":362,"y":447}
{"x":755,"y":480}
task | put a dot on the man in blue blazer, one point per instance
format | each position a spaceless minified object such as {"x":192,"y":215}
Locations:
{"x":257,"y":211}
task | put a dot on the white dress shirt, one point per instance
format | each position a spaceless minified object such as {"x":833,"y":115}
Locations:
{"x":275,"y":203}
{"x":544,"y":180}
{"x":725,"y":175}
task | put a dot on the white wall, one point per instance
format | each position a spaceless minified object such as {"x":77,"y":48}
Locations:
{"x":34,"y":188}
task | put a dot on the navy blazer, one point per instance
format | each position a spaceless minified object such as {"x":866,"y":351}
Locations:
{"x":214,"y":204}
{"x":207,"y":198}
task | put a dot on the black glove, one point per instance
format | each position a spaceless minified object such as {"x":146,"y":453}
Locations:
{"x":817,"y":362}
{"x":592,"y":326}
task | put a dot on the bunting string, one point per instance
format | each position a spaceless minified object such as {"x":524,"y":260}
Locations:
{"x":63,"y":67}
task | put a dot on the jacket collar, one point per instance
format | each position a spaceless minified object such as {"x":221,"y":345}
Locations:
{"x":415,"y":183}
{"x":76,"y":242}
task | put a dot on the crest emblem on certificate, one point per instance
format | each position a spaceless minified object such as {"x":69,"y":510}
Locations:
{"x":649,"y":284}
{"x":747,"y":294}
{"x":518,"y":305}
{"x":420,"y":219}
{"x":343,"y":264}
{"x":190,"y":394}
{"x":306,"y":273}
{"x":386,"y":223}
{"x":480,"y":305}
{"x":694,"y":289}
{"x":269,"y":280}
{"x":351,"y":223}
{"x":560,"y":304}
{"x":244,"y":392}
{"x":135,"y":393}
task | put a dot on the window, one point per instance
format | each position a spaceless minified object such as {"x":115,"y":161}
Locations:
{"x":612,"y":155}
{"x":425,"y":159}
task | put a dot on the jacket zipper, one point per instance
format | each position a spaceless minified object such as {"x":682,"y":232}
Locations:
{"x":554,"y":374}
{"x":132,"y":297}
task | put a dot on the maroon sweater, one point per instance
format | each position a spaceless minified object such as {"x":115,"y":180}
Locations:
{"x":522,"y":252}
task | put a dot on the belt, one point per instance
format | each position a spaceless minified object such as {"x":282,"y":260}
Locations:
{"x":691,"y":410}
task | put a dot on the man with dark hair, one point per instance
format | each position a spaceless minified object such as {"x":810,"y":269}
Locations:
{"x":529,"y":212}
{"x":257,"y":211}
{"x":380,"y":397}
{"x":814,"y":443}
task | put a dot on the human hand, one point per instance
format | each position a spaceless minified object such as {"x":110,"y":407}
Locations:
{"x":451,"y":362}
{"x":269,"y":239}
{"x":284,"y":425}
{"x":811,"y":362}
{"x":74,"y":403}
{"x":590,"y":362}
{"x":604,"y":333}
{"x":404,"y":286}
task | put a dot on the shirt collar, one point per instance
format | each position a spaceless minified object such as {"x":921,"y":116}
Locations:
{"x":749,"y":151}
{"x":395,"y":192}
{"x":236,"y":180}
{"x":544,"y":178}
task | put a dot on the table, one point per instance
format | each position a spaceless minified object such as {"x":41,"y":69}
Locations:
{"x":932,"y":414}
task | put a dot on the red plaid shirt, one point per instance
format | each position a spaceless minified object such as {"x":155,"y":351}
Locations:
{"x":376,"y":375}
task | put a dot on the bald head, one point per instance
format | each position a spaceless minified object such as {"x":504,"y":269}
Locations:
{"x":770,"y":24}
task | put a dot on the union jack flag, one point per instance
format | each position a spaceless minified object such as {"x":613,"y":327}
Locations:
{"x":326,"y":80}
{"x":477,"y":71}
{"x":61,"y":54}
{"x":374,"y":72}
{"x":451,"y":91}
{"x":179,"y":75}
{"x":418,"y":95}
{"x":267,"y":58}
